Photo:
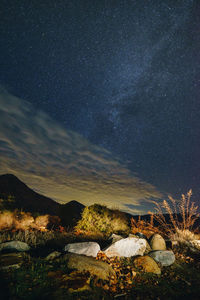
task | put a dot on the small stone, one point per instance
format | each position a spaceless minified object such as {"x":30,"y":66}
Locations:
{"x":85,"y":248}
{"x":157,"y":242}
{"x":141,"y":235}
{"x":147,"y":264}
{"x":53,"y":255}
{"x":165,"y":258}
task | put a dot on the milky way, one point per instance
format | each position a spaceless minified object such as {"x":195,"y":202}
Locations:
{"x":123,"y":74}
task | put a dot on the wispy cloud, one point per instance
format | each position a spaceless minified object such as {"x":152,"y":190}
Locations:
{"x":62,"y":164}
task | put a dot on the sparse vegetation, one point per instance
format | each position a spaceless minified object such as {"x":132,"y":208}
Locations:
{"x":143,"y":226}
{"x":53,"y":280}
{"x":20,"y":220}
{"x":36,"y":238}
{"x":182,"y":217}
{"x":101,"y":220}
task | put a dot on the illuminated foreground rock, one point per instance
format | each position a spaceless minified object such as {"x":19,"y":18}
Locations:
{"x":157,"y":242}
{"x":147,"y":264}
{"x":89,"y":264}
{"x":13,"y":246}
{"x":165,"y":258}
{"x":85,"y":248}
{"x":127,"y":247}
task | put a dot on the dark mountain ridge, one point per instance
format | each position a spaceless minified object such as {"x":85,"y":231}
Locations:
{"x":24,"y":197}
{"x":17,"y":195}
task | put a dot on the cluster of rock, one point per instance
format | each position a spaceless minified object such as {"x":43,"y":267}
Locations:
{"x":148,"y":254}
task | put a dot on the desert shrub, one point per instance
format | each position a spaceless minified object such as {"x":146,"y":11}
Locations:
{"x":6,"y":220}
{"x":183,"y":235}
{"x":182,"y":217}
{"x":100,"y":219}
{"x":41,"y":222}
{"x":143,"y":226}
{"x":23,"y":220}
{"x":20,"y":220}
{"x":54,"y":223}
{"x":47,"y":222}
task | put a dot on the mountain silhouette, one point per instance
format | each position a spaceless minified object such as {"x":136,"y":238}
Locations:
{"x":15,"y":194}
{"x":75,"y":208}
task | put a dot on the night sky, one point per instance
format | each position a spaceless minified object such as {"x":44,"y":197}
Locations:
{"x":103,"y":94}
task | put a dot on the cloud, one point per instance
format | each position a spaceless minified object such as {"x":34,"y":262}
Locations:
{"x":61,"y":164}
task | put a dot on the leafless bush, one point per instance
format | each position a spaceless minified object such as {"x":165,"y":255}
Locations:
{"x":182,"y":217}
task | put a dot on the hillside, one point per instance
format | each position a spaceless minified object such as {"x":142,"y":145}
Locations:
{"x":70,"y":212}
{"x":24,"y":197}
{"x":17,"y":195}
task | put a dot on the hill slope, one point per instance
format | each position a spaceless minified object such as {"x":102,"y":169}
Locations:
{"x":70,"y":212}
{"x":22,"y":197}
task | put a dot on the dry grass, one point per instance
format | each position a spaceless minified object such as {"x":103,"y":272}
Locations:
{"x":183,"y":236}
{"x":6,"y":220}
{"x":19,"y":220}
{"x":182,"y":217}
{"x":144,"y":227}
{"x":35,"y":238}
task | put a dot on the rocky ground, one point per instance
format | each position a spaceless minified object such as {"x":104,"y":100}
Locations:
{"x":132,"y":267}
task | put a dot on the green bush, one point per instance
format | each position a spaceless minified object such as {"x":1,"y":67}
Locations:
{"x":100,"y":219}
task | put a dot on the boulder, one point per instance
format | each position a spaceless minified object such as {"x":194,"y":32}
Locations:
{"x":13,"y":246}
{"x":165,"y":258}
{"x":157,"y":242}
{"x":53,"y":255}
{"x":11,"y":260}
{"x":85,"y":248}
{"x":89,"y":264}
{"x":147,"y":264}
{"x":130,"y":246}
{"x":141,"y":235}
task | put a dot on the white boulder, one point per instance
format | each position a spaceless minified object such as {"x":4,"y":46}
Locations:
{"x":130,"y":246}
{"x":84,"y":248}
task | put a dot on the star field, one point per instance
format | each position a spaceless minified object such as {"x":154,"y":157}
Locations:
{"x":123,"y":74}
